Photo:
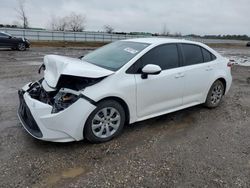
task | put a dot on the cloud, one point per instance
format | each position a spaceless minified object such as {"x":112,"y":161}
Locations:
{"x":185,"y":16}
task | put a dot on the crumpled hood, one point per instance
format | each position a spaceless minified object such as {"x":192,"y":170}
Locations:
{"x":56,"y":65}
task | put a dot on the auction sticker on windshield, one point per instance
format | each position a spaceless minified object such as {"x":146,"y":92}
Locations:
{"x":131,"y":50}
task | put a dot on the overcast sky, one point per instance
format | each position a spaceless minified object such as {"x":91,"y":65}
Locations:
{"x":185,"y":16}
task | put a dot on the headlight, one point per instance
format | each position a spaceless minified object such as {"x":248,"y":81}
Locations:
{"x":27,"y":40}
{"x":63,"y":99}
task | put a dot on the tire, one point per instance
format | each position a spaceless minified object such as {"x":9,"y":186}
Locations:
{"x":100,"y":127}
{"x":215,"y":94}
{"x":21,"y":47}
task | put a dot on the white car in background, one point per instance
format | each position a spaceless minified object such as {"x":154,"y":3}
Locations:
{"x":123,"y":82}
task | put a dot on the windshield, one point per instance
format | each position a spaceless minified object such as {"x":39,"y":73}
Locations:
{"x":115,"y":55}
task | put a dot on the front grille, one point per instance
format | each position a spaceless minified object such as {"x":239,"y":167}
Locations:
{"x":26,"y":117}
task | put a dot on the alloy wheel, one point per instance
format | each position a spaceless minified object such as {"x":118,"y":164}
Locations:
{"x":106,"y":122}
{"x":217,"y":94}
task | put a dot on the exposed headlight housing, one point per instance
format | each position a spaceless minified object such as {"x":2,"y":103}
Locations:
{"x":63,"y":99}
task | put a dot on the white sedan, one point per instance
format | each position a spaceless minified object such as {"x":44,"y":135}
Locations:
{"x":121,"y":83}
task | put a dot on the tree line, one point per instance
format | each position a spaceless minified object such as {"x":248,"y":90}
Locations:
{"x":77,"y":23}
{"x":72,"y":22}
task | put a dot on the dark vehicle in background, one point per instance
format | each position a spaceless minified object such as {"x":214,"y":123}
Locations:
{"x":8,"y":41}
{"x":248,"y":44}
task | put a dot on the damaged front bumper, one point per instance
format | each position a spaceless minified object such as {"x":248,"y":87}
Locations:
{"x":39,"y":121}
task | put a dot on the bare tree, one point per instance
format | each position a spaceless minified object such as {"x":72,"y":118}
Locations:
{"x":61,"y":24}
{"x":16,"y":23}
{"x":22,"y":13}
{"x":52,"y":24}
{"x":177,"y":34}
{"x":76,"y":22}
{"x":108,"y":28}
{"x":58,"y":23}
{"x":165,"y":31}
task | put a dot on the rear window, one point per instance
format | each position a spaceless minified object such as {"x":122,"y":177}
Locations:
{"x":208,"y":56}
{"x":192,"y":54}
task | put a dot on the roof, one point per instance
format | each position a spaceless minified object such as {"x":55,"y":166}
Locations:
{"x":4,"y":33}
{"x":156,"y":40}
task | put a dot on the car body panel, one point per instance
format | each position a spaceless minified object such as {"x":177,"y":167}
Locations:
{"x":60,"y":65}
{"x":55,"y":127}
{"x":168,"y":88}
{"x":197,"y":91}
{"x":122,"y":86}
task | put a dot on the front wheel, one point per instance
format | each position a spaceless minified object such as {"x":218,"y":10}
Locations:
{"x":21,"y":47}
{"x":105,"y":122}
{"x":215,"y":94}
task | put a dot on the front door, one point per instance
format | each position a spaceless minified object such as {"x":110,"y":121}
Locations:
{"x":160,"y":93}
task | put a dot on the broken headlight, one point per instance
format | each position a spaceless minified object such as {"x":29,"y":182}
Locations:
{"x":63,"y":99}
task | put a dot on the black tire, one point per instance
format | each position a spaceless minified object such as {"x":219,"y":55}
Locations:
{"x":21,"y":47}
{"x":108,"y":106}
{"x":215,"y":94}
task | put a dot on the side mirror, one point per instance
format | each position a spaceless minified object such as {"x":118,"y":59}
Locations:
{"x":150,"y":69}
{"x":81,"y":57}
{"x":10,"y":37}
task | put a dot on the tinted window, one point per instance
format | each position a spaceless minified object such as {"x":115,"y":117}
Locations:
{"x":166,"y":56}
{"x":3,"y":35}
{"x":192,"y":54}
{"x":213,"y":57}
{"x":206,"y":55}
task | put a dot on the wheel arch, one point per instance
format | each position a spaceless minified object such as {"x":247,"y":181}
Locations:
{"x":223,"y":80}
{"x":121,"y":102}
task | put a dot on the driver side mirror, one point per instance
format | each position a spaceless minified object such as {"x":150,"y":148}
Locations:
{"x":10,"y":37}
{"x":150,"y":69}
{"x":82,"y":56}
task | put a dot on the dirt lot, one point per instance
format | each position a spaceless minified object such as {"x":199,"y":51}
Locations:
{"x":196,"y":147}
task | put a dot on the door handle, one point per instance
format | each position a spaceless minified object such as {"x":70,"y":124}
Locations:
{"x":179,"y":75}
{"x":209,"y":68}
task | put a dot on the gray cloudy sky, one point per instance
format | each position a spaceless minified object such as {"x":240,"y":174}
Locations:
{"x":185,"y":16}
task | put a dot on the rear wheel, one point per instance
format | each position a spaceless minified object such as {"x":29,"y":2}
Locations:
{"x":21,"y":47}
{"x":215,"y":94}
{"x":105,"y":122}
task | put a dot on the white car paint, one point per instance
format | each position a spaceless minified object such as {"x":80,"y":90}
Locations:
{"x":169,"y":91}
{"x":60,"y":65}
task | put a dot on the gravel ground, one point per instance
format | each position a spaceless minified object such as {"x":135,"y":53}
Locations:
{"x":195,"y":147}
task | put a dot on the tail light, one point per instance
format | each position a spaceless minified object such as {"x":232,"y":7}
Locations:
{"x":231,"y":63}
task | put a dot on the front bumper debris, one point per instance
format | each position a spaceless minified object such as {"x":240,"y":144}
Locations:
{"x":65,"y":126}
{"x":26,"y":117}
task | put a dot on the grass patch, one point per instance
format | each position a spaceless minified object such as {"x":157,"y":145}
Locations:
{"x":227,"y":45}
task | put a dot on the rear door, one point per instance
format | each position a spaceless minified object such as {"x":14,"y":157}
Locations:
{"x":159,"y":93}
{"x":198,"y":66}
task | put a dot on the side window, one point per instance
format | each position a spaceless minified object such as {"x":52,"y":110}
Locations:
{"x":166,"y":56}
{"x":208,"y":56}
{"x":2,"y":35}
{"x":192,"y":54}
{"x":213,"y":57}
